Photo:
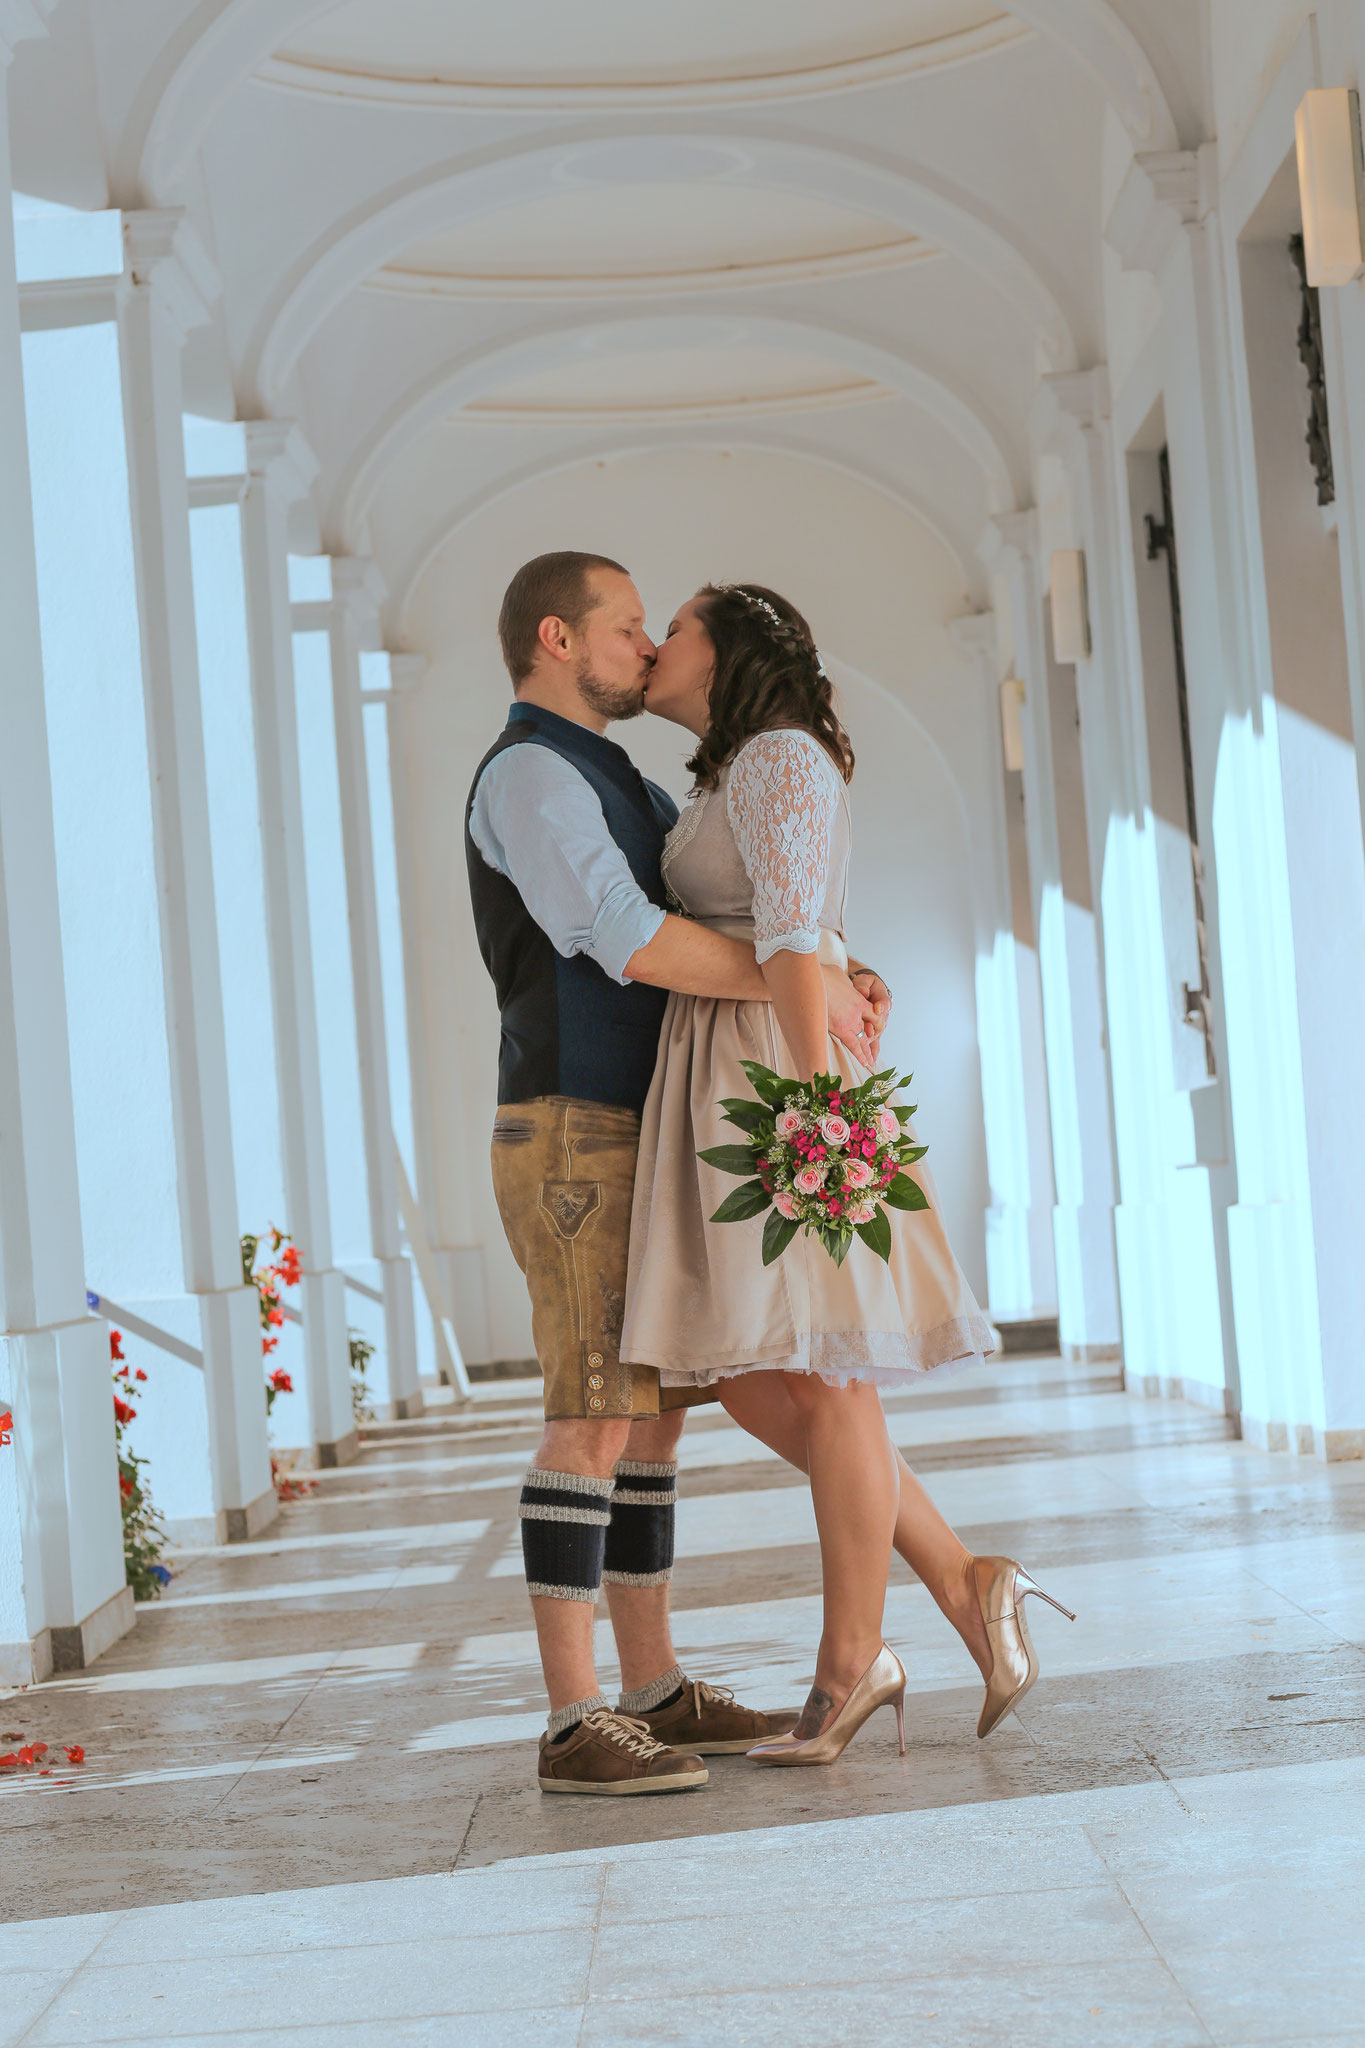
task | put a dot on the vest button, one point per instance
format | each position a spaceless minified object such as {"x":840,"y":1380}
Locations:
{"x":594,"y":1358}
{"x":595,"y":1380}
{"x":596,"y":1401}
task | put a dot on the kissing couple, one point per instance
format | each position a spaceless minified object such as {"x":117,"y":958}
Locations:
{"x":639,"y":959}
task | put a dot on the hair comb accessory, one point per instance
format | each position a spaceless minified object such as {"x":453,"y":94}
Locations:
{"x":761,"y":603}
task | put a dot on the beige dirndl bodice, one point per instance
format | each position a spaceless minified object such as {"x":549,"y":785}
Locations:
{"x":764,"y":856}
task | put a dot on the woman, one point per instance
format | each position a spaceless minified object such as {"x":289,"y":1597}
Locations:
{"x":796,"y":1350}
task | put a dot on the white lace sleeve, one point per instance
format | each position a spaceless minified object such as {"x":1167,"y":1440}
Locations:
{"x":781,"y":801}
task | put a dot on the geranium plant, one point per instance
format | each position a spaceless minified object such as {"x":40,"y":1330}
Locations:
{"x":144,"y":1539}
{"x":823,"y":1157}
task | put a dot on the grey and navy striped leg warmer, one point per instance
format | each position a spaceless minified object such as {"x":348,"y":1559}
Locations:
{"x":564,"y":1518}
{"x":639,"y":1549}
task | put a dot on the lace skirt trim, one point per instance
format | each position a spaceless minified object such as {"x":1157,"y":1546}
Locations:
{"x":881,"y":1358}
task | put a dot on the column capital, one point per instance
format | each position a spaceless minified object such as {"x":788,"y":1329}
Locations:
{"x":975,"y":634}
{"x":358,"y":586}
{"x":1165,"y":193}
{"x":164,"y":255}
{"x":1008,"y":538}
{"x":20,"y":22}
{"x":277,"y":453}
{"x":1083,"y":395}
{"x":407,"y":671}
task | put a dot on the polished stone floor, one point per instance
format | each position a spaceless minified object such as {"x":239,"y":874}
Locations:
{"x":308,"y":1812}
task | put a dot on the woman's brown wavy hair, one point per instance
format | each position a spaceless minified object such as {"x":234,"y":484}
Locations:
{"x":767,"y":674}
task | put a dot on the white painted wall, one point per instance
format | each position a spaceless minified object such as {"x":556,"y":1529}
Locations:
{"x":878,"y":588}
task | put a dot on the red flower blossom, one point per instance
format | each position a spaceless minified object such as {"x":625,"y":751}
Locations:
{"x":7,"y":1761}
{"x":115,"y":1345}
{"x":280,"y":1381}
{"x":75,"y":1754}
{"x":123,"y":1414}
{"x":6,"y":1428}
{"x":125,"y":1487}
{"x":276,"y":1316}
{"x":290,"y":1267}
{"x":268,"y":1345}
{"x":139,"y":1374}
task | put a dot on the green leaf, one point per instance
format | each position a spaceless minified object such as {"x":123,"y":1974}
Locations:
{"x":908,"y":1154}
{"x":905,"y":1080}
{"x":731,"y":1158}
{"x":901,"y":1110}
{"x":749,"y":1116}
{"x":877,"y":1234}
{"x":750,"y":1200}
{"x":770,"y":1086}
{"x":904,"y":1193}
{"x":777,"y":1235}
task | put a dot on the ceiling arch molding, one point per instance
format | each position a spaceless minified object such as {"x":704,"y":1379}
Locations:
{"x":225,"y":42}
{"x":515,"y":174}
{"x":407,"y":582}
{"x":461,"y":384}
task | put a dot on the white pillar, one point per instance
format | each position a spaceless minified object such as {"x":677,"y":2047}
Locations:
{"x":1020,"y":1267}
{"x":167,"y":283}
{"x":1078,"y":1087}
{"x":280,"y":467}
{"x":353,"y":621}
{"x":62,"y":1592}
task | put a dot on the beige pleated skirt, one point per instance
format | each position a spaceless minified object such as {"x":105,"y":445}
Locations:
{"x":700,"y":1303}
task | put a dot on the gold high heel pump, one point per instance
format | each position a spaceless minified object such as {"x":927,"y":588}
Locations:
{"x":1014,"y":1663}
{"x":882,"y":1684}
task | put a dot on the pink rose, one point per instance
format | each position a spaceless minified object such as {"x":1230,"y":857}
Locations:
{"x":857,"y":1174}
{"x":789,"y":1124}
{"x":862,"y":1212}
{"x":810,"y":1180}
{"x":888,"y":1126}
{"x":785,"y":1205}
{"x":834,"y":1130}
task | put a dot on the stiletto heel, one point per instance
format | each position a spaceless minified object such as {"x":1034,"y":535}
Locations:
{"x":1014,"y":1662}
{"x":882,"y":1684}
{"x":1024,"y":1584}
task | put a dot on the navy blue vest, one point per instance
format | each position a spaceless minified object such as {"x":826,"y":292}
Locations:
{"x":568,"y":1028}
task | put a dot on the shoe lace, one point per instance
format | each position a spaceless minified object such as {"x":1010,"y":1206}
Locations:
{"x":704,"y":1693}
{"x":625,"y":1733}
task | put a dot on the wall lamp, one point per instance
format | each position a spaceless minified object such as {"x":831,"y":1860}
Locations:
{"x":1331,"y":184}
{"x":1012,"y":724}
{"x":1070,"y":606}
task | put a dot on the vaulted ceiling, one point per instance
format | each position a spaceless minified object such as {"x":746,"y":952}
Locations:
{"x":466,"y":245}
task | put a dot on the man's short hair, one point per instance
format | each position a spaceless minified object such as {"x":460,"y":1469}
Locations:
{"x":557,"y":586}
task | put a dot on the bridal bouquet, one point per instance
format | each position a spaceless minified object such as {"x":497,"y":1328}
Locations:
{"x":823,"y":1158}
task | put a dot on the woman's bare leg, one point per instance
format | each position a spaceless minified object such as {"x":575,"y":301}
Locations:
{"x":854,"y":1488}
{"x":760,"y":1403}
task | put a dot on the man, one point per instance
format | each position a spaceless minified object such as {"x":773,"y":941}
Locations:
{"x":563,"y":838}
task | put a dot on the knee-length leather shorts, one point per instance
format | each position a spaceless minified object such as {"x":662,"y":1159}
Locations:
{"x":564,"y":1175}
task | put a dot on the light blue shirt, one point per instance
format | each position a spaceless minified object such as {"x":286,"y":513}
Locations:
{"x":539,"y":823}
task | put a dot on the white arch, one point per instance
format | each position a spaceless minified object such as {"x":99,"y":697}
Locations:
{"x":405,"y":586}
{"x":511,"y":174}
{"x":226,"y":41}
{"x":457,"y":385}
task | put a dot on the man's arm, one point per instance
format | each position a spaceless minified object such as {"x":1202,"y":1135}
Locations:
{"x":698,"y":962}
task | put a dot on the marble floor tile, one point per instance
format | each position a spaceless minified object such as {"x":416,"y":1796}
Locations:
{"x":423,"y":1978}
{"x":1088,"y":2005}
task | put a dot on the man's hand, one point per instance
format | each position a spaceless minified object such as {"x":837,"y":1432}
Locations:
{"x":853,"y":1016}
{"x":870,"y":983}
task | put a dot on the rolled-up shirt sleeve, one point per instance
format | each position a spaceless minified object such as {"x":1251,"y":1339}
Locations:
{"x":539,"y":823}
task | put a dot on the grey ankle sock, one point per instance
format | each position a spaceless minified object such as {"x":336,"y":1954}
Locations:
{"x":565,"y":1719}
{"x":647,"y":1697}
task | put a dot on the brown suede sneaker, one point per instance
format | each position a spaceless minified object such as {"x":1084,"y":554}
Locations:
{"x":709,"y":1721}
{"x":615,"y":1753}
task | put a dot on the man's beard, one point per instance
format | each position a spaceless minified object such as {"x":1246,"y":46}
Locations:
{"x":608,"y":700}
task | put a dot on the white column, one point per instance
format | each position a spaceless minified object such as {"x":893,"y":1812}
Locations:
{"x":1078,"y":1087}
{"x":62,"y":1592}
{"x":1166,"y":221}
{"x":280,"y":467}
{"x":168,"y":281}
{"x":1020,"y":1266}
{"x":354,"y":621}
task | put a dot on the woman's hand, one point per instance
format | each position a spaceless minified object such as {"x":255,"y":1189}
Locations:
{"x":853,"y":1017}
{"x":870,"y":984}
